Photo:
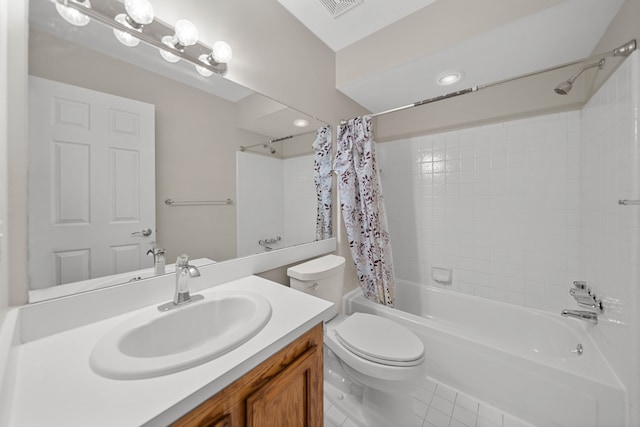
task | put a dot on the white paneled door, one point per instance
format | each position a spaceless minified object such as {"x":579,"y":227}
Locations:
{"x":91,"y":183}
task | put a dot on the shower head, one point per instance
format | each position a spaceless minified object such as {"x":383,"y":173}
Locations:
{"x":566,"y":86}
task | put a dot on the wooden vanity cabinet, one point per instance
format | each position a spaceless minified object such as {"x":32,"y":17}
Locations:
{"x":284,"y":391}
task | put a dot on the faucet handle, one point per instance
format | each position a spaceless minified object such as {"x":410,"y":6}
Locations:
{"x":183,"y":262}
{"x":578,"y":291}
{"x":590,"y":301}
{"x":580,"y":284}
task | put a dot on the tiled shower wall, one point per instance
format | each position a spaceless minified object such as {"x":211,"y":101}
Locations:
{"x":498,"y":205}
{"x":610,"y":232}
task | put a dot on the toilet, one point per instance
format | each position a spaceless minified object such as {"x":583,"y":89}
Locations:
{"x":372,"y":364}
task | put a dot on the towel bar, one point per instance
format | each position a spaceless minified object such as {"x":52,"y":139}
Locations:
{"x":171,"y":202}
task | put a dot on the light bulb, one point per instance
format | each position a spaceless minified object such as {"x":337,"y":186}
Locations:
{"x":168,"y":56}
{"x":221,"y":52}
{"x":122,"y":36}
{"x":186,"y":32}
{"x":140,"y":11}
{"x":205,"y":72}
{"x":73,"y":16}
{"x":301,"y":123}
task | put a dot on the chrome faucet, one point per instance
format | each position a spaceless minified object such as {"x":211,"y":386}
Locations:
{"x":184,"y":270}
{"x":158,"y":258}
{"x":589,"y":316}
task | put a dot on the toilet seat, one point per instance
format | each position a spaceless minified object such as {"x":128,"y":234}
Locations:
{"x":380,"y":340}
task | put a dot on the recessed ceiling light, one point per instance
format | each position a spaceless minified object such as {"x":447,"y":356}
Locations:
{"x":448,"y":77}
{"x":301,"y":123}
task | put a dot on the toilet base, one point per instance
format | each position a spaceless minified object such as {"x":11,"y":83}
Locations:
{"x":349,"y":404}
{"x":365,"y":405}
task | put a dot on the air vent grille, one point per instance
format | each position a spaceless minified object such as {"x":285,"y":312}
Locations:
{"x":338,"y":7}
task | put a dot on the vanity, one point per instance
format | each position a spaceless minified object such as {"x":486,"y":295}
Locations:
{"x":273,"y":378}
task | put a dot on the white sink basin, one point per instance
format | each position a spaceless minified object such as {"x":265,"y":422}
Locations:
{"x":157,"y":343}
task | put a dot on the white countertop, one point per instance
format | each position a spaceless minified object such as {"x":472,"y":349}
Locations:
{"x":55,"y":386}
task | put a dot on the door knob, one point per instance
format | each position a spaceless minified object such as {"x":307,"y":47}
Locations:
{"x":146,"y":232}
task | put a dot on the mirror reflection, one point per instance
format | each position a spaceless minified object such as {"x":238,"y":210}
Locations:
{"x":134,"y":161}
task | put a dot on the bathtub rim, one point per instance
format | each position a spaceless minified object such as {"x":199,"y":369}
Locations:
{"x":607,"y":378}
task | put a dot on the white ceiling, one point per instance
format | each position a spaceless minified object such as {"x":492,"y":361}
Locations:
{"x":364,"y":19}
{"x":564,"y":32}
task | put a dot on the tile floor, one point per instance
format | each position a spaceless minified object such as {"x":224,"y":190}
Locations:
{"x":437,"y":405}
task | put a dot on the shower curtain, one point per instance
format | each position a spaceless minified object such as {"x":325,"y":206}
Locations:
{"x":363,"y":209}
{"x":322,"y":178}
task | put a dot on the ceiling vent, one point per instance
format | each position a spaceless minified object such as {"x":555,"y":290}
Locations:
{"x":338,"y":7}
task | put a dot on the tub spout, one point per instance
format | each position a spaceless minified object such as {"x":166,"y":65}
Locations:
{"x":589,"y":316}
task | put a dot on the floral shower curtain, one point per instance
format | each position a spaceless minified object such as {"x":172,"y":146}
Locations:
{"x":363,"y":210}
{"x":322,"y":178}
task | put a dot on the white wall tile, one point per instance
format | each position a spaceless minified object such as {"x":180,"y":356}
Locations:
{"x":491,"y":202}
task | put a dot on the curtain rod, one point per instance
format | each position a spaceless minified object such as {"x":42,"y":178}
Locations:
{"x":624,"y":50}
{"x":271,"y":141}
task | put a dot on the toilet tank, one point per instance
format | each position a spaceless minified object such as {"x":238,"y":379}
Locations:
{"x":322,"y":277}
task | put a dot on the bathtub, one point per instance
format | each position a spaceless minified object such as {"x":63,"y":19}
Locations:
{"x":520,"y":360}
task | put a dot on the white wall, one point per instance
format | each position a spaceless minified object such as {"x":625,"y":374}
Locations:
{"x":4,"y":161}
{"x":609,"y":257}
{"x":498,"y":204}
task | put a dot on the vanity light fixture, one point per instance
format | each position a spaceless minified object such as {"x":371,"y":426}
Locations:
{"x":134,"y":20}
{"x":220,"y":54}
{"x":448,"y":78}
{"x":186,"y":34}
{"x":72,"y":15}
{"x":138,"y":14}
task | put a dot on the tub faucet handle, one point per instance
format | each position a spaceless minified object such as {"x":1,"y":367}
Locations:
{"x":578,"y":292}
{"x":580,"y":284}
{"x":591,"y":302}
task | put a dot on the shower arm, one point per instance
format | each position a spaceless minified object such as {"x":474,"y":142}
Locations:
{"x":599,"y":64}
{"x":624,"y":50}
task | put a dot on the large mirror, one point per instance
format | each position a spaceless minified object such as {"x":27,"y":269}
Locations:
{"x":188,"y":164}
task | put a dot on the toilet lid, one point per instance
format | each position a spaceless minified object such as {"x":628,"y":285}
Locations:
{"x":380,"y":340}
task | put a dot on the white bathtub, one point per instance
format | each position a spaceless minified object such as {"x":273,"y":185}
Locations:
{"x":514,"y":358}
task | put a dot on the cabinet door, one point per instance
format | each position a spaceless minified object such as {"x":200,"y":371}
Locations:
{"x":293,"y":398}
{"x":285,"y":390}
{"x":222,"y":413}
